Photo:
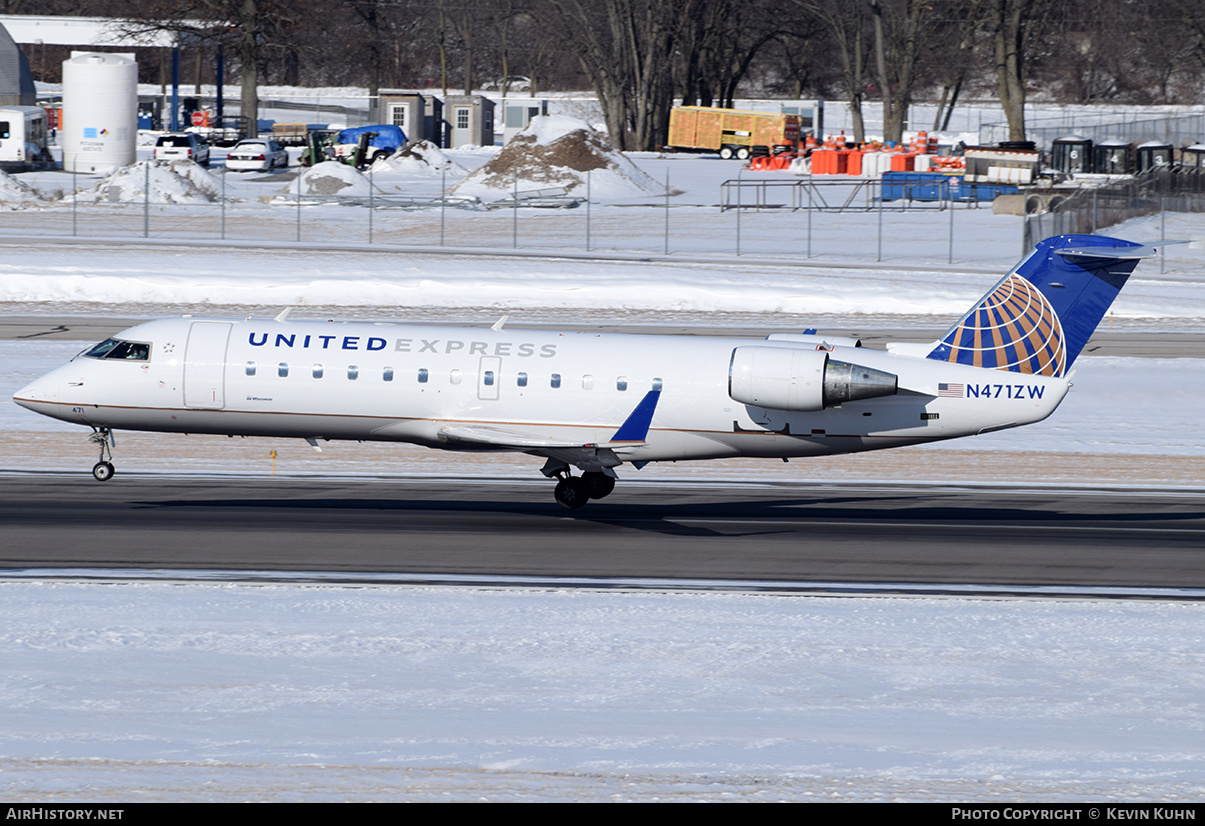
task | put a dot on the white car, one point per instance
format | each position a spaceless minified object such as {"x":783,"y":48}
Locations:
{"x":256,"y":155}
{"x":182,"y":146}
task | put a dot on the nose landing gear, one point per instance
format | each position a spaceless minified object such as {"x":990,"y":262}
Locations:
{"x":103,"y":470}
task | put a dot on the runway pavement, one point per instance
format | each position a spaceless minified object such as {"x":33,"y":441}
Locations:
{"x":770,"y":532}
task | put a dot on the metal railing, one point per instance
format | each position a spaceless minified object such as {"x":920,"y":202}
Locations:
{"x":1176,"y":129}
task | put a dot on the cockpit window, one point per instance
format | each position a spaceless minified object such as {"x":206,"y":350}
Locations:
{"x":115,"y":348}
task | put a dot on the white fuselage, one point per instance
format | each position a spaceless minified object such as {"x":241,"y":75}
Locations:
{"x":419,"y":384}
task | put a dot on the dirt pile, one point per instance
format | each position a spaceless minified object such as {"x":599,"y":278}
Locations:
{"x":15,"y":193}
{"x":558,"y":151}
{"x":329,"y":178}
{"x":159,"y":182}
{"x":422,"y":157}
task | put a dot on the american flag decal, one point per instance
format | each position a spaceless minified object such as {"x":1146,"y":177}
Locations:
{"x":946,"y":390}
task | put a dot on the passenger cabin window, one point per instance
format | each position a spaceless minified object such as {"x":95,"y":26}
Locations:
{"x":587,"y":382}
{"x":556,"y":380}
{"x":250,"y":368}
{"x":621,"y":383}
{"x":423,"y":375}
{"x":115,"y":348}
{"x":353,"y":372}
{"x":455,"y":377}
{"x":489,"y":378}
{"x":521,"y":380}
{"x":318,"y":371}
{"x":282,"y":369}
{"x":656,"y":384}
{"x":387,"y":375}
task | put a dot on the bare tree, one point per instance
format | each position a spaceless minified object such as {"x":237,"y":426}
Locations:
{"x":1015,"y":27}
{"x":958,"y":35}
{"x":623,"y":47}
{"x":899,"y":36}
{"x":247,"y":26}
{"x":717,"y":44}
{"x":848,"y":25}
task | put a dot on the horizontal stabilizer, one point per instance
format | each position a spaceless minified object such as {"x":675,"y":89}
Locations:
{"x":1114,"y":253}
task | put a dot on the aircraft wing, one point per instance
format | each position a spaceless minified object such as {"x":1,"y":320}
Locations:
{"x":503,"y":438}
{"x":632,"y":433}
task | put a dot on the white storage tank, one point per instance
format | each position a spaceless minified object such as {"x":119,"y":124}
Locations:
{"x":100,"y":111}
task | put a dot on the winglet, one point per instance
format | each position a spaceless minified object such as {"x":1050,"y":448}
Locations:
{"x":636,"y":427}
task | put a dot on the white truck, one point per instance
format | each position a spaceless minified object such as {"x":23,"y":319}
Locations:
{"x":23,"y":138}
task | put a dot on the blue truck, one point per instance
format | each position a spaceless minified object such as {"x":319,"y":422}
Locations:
{"x":387,"y":140}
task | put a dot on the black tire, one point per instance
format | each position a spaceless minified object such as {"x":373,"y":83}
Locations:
{"x":571,"y":493}
{"x":103,"y":471}
{"x":598,"y":485}
{"x":379,"y":156}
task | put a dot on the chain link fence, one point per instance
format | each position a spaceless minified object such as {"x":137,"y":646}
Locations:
{"x":1089,"y":210}
{"x":804,"y":219}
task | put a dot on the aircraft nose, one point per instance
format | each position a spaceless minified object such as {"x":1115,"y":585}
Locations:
{"x":42,"y":389}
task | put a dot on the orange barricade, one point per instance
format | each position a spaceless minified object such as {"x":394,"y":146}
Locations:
{"x":853,"y":162}
{"x":824,"y":162}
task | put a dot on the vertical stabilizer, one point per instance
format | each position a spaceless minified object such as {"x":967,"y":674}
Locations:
{"x":1038,"y":318}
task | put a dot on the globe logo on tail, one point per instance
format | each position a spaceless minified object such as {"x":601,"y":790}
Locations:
{"x":1014,"y":328}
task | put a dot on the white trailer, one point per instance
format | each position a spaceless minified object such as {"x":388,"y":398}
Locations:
{"x":23,"y":142}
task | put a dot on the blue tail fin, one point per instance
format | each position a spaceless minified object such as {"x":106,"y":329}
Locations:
{"x":1038,"y":318}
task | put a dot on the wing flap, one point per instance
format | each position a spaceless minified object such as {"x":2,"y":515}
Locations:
{"x":503,"y":438}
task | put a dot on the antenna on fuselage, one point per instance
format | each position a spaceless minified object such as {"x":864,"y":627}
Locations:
{"x":499,"y":323}
{"x":284,"y":314}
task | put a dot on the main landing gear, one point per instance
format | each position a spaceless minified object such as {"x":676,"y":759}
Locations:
{"x":103,"y":470}
{"x":574,"y":491}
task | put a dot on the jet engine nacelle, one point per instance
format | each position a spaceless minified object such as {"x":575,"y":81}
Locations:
{"x":790,"y":378}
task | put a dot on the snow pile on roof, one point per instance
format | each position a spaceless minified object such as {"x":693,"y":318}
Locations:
{"x":329,"y":178}
{"x":422,"y":157}
{"x":558,"y":151}
{"x":167,"y":182}
{"x":14,"y":192}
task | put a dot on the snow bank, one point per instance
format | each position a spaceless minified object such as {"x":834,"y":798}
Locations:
{"x":558,"y":151}
{"x":168,"y":182}
{"x":329,"y":178}
{"x":421,"y":157}
{"x":14,"y":193}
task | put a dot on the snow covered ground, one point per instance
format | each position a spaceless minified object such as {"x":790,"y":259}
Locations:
{"x":222,"y":692}
{"x":219,"y":691}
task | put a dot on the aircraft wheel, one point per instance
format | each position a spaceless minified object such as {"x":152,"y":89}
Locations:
{"x":571,"y":492}
{"x":103,"y":471}
{"x":598,"y":485}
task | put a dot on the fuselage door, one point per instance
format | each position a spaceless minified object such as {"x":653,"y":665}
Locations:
{"x":489,"y":376}
{"x":205,"y":365}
